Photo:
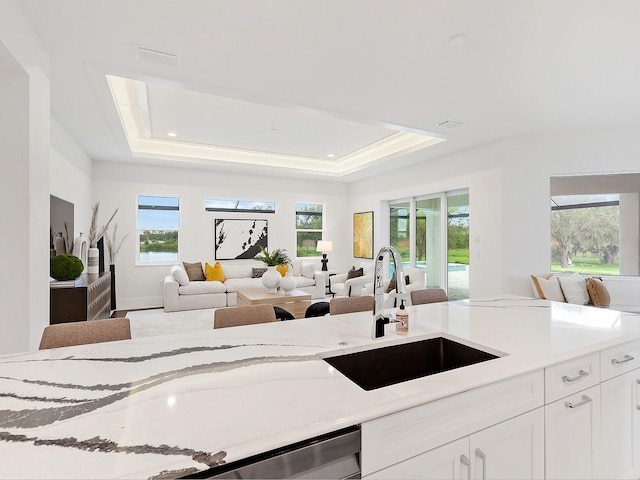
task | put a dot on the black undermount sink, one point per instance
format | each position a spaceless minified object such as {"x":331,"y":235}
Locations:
{"x":380,"y":367}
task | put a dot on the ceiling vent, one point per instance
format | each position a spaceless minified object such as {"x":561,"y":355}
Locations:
{"x":450,"y":124}
{"x":156,"y":56}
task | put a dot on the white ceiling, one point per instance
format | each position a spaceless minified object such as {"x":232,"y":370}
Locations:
{"x":288,"y":82}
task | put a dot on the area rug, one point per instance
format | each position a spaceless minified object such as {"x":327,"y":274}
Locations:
{"x":148,"y":323}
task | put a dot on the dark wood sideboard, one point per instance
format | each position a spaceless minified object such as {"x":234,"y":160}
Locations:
{"x":88,"y":299}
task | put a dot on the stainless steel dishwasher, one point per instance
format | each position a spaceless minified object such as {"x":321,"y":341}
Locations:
{"x":335,"y":455}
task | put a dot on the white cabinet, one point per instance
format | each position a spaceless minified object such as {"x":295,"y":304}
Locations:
{"x":449,"y":462}
{"x":409,"y":433}
{"x":513,"y":449}
{"x":620,"y":398}
{"x":572,"y":440}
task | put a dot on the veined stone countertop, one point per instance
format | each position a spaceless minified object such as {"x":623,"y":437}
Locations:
{"x":177,"y":404}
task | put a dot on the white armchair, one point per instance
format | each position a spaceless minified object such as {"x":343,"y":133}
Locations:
{"x":352,"y":287}
{"x":416,"y":282}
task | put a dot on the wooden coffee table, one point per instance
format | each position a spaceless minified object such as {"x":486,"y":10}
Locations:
{"x":295,"y":302}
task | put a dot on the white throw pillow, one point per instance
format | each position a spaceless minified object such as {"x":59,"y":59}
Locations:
{"x":179,"y":274}
{"x":574,"y":288}
{"x":547,"y":288}
{"x":308,"y":270}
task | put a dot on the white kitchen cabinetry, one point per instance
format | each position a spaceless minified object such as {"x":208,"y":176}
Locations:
{"x":620,"y":404}
{"x":572,"y":418}
{"x":394,"y":438}
{"x":572,"y":440}
{"x":513,"y":449}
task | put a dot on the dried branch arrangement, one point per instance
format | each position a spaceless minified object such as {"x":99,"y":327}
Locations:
{"x":94,"y":233}
{"x":113,"y":247}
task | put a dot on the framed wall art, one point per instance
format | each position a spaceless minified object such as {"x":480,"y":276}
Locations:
{"x":239,"y":239}
{"x":363,"y":235}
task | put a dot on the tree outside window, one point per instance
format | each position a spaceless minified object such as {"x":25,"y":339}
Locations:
{"x":309,"y":225}
{"x":585,"y":234}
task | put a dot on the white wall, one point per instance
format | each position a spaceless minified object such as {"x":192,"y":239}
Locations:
{"x":71,"y":175}
{"x":116,"y":185}
{"x":25,"y":181}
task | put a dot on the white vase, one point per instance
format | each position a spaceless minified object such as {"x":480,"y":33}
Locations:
{"x":93,"y":266}
{"x":271,"y":279}
{"x":59,"y":244}
{"x":80,"y":249}
{"x":288,"y":283}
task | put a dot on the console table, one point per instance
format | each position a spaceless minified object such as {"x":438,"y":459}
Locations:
{"x":88,"y":299}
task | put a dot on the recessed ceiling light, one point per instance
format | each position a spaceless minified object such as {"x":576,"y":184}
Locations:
{"x":172,"y":134}
{"x":331,"y":155}
{"x":458,"y":40}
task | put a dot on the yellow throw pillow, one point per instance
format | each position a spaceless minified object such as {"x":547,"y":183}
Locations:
{"x":283,"y":269}
{"x":214,"y":273}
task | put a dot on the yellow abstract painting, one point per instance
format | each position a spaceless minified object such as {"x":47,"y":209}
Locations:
{"x":363,"y":235}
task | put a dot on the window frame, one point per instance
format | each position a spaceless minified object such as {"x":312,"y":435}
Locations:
{"x":306,"y":230}
{"x":268,"y":211}
{"x":139,"y":263}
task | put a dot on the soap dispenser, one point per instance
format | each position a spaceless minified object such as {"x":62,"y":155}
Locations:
{"x":402,"y":320}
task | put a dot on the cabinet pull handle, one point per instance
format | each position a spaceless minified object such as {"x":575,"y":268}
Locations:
{"x":625,"y":359}
{"x":637,"y":394}
{"x":480,"y":454}
{"x":584,"y":401}
{"x":467,"y":463}
{"x":581,"y":374}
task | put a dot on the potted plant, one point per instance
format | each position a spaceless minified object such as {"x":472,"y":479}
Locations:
{"x":273,"y":259}
{"x":271,"y":278}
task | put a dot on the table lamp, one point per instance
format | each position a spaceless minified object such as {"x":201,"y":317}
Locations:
{"x":324,"y":246}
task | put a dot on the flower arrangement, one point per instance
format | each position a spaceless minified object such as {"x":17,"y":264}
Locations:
{"x":275,"y":258}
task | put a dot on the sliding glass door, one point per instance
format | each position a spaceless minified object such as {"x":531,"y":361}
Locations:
{"x":400,"y":229}
{"x":432,"y":233}
{"x":458,"y":246}
{"x":429,"y":239}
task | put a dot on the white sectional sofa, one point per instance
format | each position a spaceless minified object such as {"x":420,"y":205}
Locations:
{"x":238,"y":273}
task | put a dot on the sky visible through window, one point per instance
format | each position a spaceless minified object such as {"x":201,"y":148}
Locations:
{"x":160,"y":213}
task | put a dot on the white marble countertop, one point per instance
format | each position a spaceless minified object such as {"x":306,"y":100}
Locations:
{"x":172,"y":405}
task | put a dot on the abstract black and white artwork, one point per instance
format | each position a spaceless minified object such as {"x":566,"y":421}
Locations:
{"x":237,"y":239}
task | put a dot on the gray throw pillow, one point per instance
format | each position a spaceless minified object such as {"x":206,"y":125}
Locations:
{"x":355,"y":272}
{"x":194,"y":271}
{"x":257,"y":272}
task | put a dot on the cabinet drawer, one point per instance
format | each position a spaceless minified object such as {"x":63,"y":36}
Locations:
{"x":396,"y":437}
{"x":569,"y":377}
{"x":620,"y":359}
{"x":573,"y":436}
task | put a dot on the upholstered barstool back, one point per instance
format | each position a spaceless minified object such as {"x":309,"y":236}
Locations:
{"x":83,"y":333}
{"x":351,"y":304}
{"x":428,"y":295}
{"x":249,"y":315}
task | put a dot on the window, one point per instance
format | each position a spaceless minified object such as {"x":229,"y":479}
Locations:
{"x":308,"y":228}
{"x":239,"y":206}
{"x":158,"y":227}
{"x":585,"y":234}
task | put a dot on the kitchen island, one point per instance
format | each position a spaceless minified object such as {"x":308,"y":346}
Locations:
{"x":169,"y":406}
